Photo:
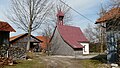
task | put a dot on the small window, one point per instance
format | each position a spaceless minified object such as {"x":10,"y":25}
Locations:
{"x":60,"y":18}
{"x":84,"y":48}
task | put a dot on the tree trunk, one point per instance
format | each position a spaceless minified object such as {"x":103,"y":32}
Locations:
{"x":29,"y":37}
{"x":29,"y":26}
{"x":101,"y":40}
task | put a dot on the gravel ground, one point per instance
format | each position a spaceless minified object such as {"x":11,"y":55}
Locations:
{"x":58,"y":61}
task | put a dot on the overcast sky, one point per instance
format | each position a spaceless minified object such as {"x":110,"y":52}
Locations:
{"x":88,"y":8}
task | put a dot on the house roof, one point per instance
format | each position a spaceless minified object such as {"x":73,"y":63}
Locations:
{"x":14,"y":38}
{"x":4,"y":26}
{"x":113,"y":13}
{"x":45,"y":41}
{"x":72,"y":35}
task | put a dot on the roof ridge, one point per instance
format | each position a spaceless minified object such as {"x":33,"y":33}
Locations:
{"x":70,"y":26}
{"x":17,"y":36}
{"x":2,"y":20}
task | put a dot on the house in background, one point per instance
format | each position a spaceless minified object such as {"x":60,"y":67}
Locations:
{"x":68,"y":40}
{"x":111,"y":21}
{"x":5,"y":30}
{"x":45,"y":42}
{"x":22,"y":40}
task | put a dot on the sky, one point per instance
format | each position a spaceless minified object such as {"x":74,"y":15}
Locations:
{"x":88,"y":8}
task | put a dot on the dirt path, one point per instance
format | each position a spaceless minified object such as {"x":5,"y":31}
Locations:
{"x":58,"y":62}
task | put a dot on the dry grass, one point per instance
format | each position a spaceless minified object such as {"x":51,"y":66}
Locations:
{"x":93,"y":64}
{"x":34,"y":63}
{"x":38,"y":62}
{"x":27,"y":64}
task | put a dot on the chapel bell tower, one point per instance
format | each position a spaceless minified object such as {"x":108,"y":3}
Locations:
{"x":60,"y":17}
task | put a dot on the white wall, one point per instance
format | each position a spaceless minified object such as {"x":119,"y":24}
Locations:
{"x":86,"y":48}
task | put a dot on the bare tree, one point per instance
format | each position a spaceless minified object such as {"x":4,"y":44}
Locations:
{"x":115,"y":3}
{"x":28,"y":15}
{"x":47,"y":35}
{"x":92,"y":33}
{"x":95,"y":35}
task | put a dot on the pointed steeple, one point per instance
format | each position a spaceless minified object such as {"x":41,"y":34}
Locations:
{"x":60,"y":17}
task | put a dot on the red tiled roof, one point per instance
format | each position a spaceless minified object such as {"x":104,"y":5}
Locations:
{"x":4,"y":26}
{"x":45,"y":41}
{"x":15,"y":37}
{"x":113,"y":13}
{"x":72,"y":35}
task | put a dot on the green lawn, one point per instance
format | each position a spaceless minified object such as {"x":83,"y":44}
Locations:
{"x":28,"y":64}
